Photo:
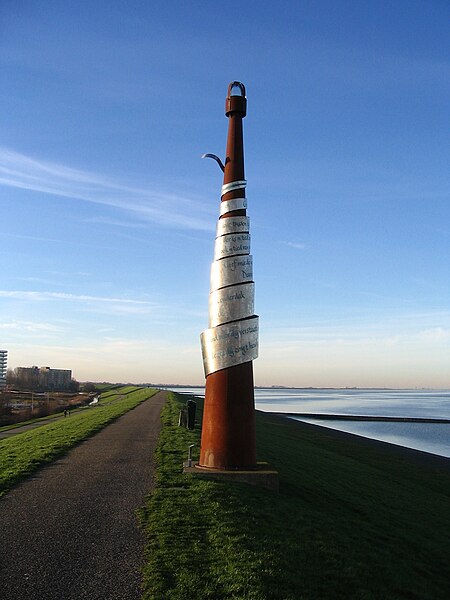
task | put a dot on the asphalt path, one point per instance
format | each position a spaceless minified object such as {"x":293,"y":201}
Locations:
{"x":71,"y":530}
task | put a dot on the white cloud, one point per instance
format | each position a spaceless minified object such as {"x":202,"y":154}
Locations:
{"x":21,"y":171}
{"x":107,"y":304}
{"x":116,"y":222}
{"x":26,"y":295}
{"x":28,"y":237}
{"x":29,"y":326}
{"x":436,"y":333}
{"x":296,"y":245}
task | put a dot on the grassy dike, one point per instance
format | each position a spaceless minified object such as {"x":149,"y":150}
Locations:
{"x":23,"y":454}
{"x":353,"y":519}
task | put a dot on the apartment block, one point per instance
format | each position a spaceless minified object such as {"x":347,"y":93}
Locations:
{"x":55,"y":379}
{"x":3,"y":363}
{"x":43,"y":378}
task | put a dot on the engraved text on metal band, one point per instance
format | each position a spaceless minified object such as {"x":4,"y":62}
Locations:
{"x":231,"y":304}
{"x":232,"y":225}
{"x":229,"y":345}
{"x":229,"y":271}
{"x":231,"y":244}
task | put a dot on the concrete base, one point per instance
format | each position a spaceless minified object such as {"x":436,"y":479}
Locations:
{"x":263,"y":475}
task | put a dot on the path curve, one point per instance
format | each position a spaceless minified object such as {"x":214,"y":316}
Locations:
{"x":70,"y":531}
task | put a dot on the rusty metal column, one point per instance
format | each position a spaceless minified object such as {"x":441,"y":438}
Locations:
{"x":228,"y":431}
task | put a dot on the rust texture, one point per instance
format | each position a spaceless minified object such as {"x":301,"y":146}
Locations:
{"x":228,"y":431}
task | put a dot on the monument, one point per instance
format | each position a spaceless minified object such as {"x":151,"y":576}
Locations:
{"x":230,"y":344}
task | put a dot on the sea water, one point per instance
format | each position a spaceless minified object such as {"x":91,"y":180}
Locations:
{"x":427,"y":437}
{"x":425,"y":404}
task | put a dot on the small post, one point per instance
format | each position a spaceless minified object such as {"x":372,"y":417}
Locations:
{"x":189,"y":462}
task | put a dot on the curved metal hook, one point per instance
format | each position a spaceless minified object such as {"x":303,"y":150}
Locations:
{"x":236,"y":84}
{"x":216,"y":158}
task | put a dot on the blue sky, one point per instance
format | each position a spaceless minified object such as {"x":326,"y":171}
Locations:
{"x":108,"y":213}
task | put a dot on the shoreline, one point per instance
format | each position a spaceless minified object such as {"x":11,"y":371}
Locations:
{"x":338,"y":417}
{"x":419,"y":456}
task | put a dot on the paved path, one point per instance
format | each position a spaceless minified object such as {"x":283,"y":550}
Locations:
{"x":70,"y":531}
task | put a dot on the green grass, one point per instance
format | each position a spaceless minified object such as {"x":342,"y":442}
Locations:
{"x":350,"y":521}
{"x":105,"y":398}
{"x":126,"y":389}
{"x":23,"y":454}
{"x":30,"y":421}
{"x":103,"y":387}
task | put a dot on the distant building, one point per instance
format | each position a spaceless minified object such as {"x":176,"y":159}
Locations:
{"x":43,"y":378}
{"x":3,"y":362}
{"x":27,"y":377}
{"x":55,"y":379}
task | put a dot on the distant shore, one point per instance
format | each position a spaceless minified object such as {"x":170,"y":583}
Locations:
{"x":419,"y":456}
{"x":287,"y":387}
{"x":340,"y":417}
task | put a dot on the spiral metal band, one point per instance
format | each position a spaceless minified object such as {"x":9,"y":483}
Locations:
{"x":232,"y":225}
{"x":233,"y":185}
{"x":231,"y":304}
{"x":231,"y":271}
{"x":231,"y":244}
{"x":233,"y":334}
{"x":227,"y":206}
{"x":230,"y":344}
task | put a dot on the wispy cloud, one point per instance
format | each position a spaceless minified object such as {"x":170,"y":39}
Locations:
{"x":117,"y":222}
{"x":437,"y":333}
{"x":407,"y":327}
{"x":296,"y":245}
{"x":30,"y":326}
{"x":111,"y":304}
{"x":147,"y":205}
{"x":35,"y":280}
{"x":28,"y":237}
{"x":27,"y":295}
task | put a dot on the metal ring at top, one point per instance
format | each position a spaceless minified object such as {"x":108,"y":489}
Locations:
{"x":233,"y":185}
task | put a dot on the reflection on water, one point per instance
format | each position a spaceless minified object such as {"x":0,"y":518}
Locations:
{"x":428,"y":437}
{"x":386,"y":403}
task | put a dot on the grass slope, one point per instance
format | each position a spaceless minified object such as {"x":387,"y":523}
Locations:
{"x":23,"y":454}
{"x":107,"y":396}
{"x":351,"y":521}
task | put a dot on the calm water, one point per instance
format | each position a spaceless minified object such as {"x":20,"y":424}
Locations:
{"x":428,"y":437}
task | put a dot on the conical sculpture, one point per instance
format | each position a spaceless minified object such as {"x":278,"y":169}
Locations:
{"x":231,"y":342}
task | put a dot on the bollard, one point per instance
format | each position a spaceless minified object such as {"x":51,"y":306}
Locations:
{"x":189,"y":463}
{"x":182,"y":419}
{"x":191,"y":408}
